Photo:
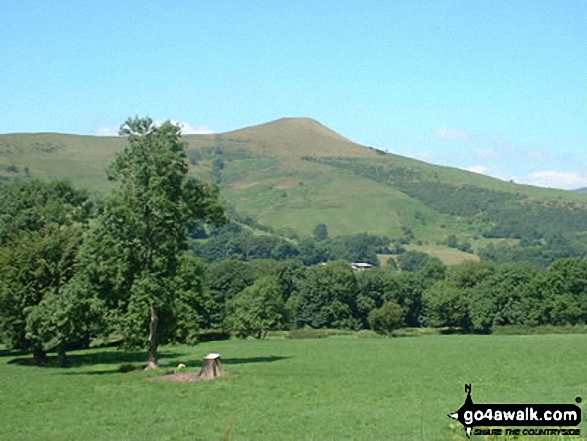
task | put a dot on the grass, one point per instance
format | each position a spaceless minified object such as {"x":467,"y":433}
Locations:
{"x":449,"y":256}
{"x":335,"y":388}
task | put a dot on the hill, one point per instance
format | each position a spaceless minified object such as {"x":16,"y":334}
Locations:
{"x":294,"y":173}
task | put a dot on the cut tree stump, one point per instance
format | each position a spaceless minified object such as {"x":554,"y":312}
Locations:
{"x":211,"y":367}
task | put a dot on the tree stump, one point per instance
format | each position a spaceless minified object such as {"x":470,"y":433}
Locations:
{"x":211,"y":367}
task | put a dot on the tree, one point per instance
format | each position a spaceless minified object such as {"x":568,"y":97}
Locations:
{"x":407,"y":288}
{"x":33,"y":205}
{"x":189,"y":300}
{"x":33,"y":265}
{"x":41,"y":227}
{"x":65,"y":319}
{"x":452,"y":241}
{"x":433,"y":271}
{"x":257,"y":309}
{"x":371,"y":293}
{"x":327,"y":297}
{"x":387,"y":318}
{"x":223,"y":281}
{"x":320,"y":232}
{"x":559,"y":295}
{"x":499,"y":299}
{"x":470,"y":274}
{"x":142,"y":230}
{"x":447,"y":305}
{"x":413,"y":260}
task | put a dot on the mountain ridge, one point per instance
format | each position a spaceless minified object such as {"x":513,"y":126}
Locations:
{"x":294,"y":173}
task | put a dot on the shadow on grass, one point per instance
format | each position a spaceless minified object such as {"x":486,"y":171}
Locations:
{"x":76,"y":360}
{"x":246,"y":360}
{"x":10,"y":353}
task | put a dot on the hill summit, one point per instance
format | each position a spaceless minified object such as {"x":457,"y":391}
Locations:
{"x":294,"y":137}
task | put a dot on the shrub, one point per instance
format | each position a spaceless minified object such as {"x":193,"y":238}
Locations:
{"x":387,"y":318}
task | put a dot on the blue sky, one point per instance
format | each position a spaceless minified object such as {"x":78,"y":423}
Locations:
{"x":497,"y":87}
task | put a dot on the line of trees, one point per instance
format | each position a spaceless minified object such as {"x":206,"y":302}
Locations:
{"x":471,"y":297}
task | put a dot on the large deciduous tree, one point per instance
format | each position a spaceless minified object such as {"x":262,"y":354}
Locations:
{"x":257,"y":309}
{"x":327,"y":297}
{"x":133,"y":252}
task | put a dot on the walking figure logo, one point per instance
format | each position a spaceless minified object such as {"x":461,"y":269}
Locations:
{"x":459,"y":415}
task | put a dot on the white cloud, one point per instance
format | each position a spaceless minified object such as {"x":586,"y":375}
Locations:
{"x":425,"y":156}
{"x":554,"y":179}
{"x":188,"y":129}
{"x":106,"y":131}
{"x":451,"y":134}
{"x":481,"y":169}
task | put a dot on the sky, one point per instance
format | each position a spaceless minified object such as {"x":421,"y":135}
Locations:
{"x":495,"y":87}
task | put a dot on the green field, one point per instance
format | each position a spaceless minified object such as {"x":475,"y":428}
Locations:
{"x":338,"y":388}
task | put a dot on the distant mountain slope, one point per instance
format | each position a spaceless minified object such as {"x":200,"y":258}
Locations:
{"x":581,"y":190}
{"x":288,"y":137}
{"x":294,"y":173}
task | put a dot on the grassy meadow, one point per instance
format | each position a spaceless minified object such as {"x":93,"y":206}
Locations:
{"x":336,"y":388}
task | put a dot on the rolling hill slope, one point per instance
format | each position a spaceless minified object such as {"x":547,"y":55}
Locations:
{"x":294,"y":173}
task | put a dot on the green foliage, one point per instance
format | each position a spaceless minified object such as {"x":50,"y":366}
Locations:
{"x":470,"y":274}
{"x":559,"y":296}
{"x":373,"y":290}
{"x":312,"y":252}
{"x":189,"y":299}
{"x":320,"y":232}
{"x":33,"y":265}
{"x":407,"y":289}
{"x":387,"y":318}
{"x":223,"y":281}
{"x":447,"y":305}
{"x":65,"y":319}
{"x":499,"y":299}
{"x":32,"y":205}
{"x":452,"y":241}
{"x":326,"y":297}
{"x":257,"y":309}
{"x":540,"y":253}
{"x":413,"y":260}
{"x":361,"y":247}
{"x":456,"y":200}
{"x":142,"y":229}
{"x":433,"y":270}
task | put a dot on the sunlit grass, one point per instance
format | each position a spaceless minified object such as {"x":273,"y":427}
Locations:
{"x":336,"y":388}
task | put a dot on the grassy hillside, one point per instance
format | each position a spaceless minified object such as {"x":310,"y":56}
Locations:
{"x":295,"y":173}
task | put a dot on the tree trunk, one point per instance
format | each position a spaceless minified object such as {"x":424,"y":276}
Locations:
{"x":211,"y":368}
{"x":153,"y":357}
{"x":39,"y":355}
{"x":61,"y":356}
